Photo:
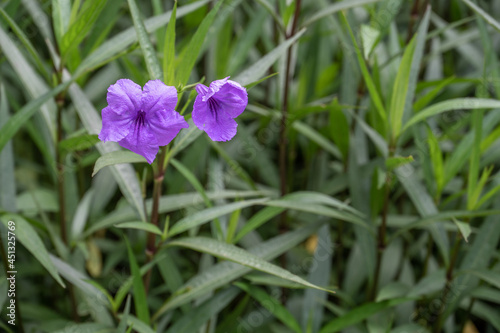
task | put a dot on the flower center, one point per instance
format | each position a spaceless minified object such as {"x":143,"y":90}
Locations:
{"x":213,"y":106}
{"x":140,"y":119}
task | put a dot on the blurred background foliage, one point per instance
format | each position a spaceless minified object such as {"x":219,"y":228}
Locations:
{"x":365,"y":165}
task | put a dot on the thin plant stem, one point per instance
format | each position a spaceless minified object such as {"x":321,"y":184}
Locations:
{"x":60,"y":172}
{"x":283,"y":140}
{"x":381,"y":242}
{"x":62,"y":195}
{"x":157,"y":189}
{"x":449,"y":279}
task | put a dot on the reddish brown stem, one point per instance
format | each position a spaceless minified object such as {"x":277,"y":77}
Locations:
{"x":157,"y":188}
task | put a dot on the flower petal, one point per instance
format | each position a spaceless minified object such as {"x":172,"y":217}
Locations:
{"x":114,"y":126}
{"x":201,"y":89}
{"x":141,"y":141}
{"x":124,"y":97}
{"x":219,"y":126}
{"x":165,"y":125}
{"x":232,"y":98}
{"x":216,"y":85}
{"x":158,"y":96}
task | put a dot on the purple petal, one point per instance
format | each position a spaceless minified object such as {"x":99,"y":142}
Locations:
{"x":232,"y":98}
{"x":201,"y":89}
{"x":114,"y":126}
{"x":124,"y":97}
{"x":165,"y":125}
{"x":141,"y":141}
{"x":216,"y":85}
{"x":218,"y":125}
{"x":158,"y":96}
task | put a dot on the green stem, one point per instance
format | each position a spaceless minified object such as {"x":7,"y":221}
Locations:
{"x":151,"y":247}
{"x":62,"y":195}
{"x":381,"y":243}
{"x":283,"y":141}
{"x":449,"y":279}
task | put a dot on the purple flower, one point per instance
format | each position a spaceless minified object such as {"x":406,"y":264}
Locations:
{"x":141,"y":120}
{"x":216,"y":107}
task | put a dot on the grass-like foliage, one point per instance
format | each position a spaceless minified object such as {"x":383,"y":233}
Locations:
{"x":345,"y":178}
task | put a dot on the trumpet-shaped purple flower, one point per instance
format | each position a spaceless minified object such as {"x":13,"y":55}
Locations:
{"x":216,"y":107}
{"x":141,"y":120}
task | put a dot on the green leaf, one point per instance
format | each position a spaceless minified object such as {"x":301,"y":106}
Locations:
{"x":272,"y":305}
{"x":129,"y":282}
{"x":427,"y":98}
{"x":319,"y":210}
{"x":464,"y":228}
{"x":392,"y":290}
{"x":248,"y":38}
{"x":253,"y":84}
{"x":474,"y":188}
{"x":77,"y":143}
{"x":421,"y":38}
{"x":7,"y":167}
{"x":140,"y":225}
{"x":194,"y":319}
{"x":61,"y":11}
{"x":259,"y":68}
{"x":169,"y":50}
{"x":477,"y":258}
{"x":359,"y":314}
{"x":475,"y":191}
{"x":140,"y":302}
{"x":487,"y":196}
{"x":370,"y":85}
{"x":225,"y":272}
{"x":257,"y":220}
{"x":117,"y":157}
{"x":81,"y":214}
{"x":185,"y":137}
{"x":313,"y":305}
{"x":152,"y":63}
{"x":192,"y":180}
{"x":209,"y":214}
{"x":491,"y":277}
{"x":316,"y":137}
{"x":35,"y":86}
{"x":81,"y":26}
{"x":124,"y":317}
{"x":443,"y":216}
{"x":336,"y":7}
{"x":395,"y":162}
{"x":91,"y":294}
{"x":169,"y":203}
{"x":491,"y":21}
{"x":489,"y":314}
{"x":191,"y":52}
{"x":437,"y":161}
{"x":138,"y":325}
{"x":369,"y":38}
{"x":26,"y":42}
{"x":400,"y":90}
{"x":119,"y":43}
{"x":339,"y":128}
{"x":27,"y":236}
{"x":452,"y":104}
{"x":240,"y":256}
{"x":425,"y":206}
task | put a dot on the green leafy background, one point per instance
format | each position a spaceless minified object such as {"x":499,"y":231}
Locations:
{"x":360,"y":193}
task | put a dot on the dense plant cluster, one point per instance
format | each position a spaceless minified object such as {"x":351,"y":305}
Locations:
{"x":356,"y":192}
